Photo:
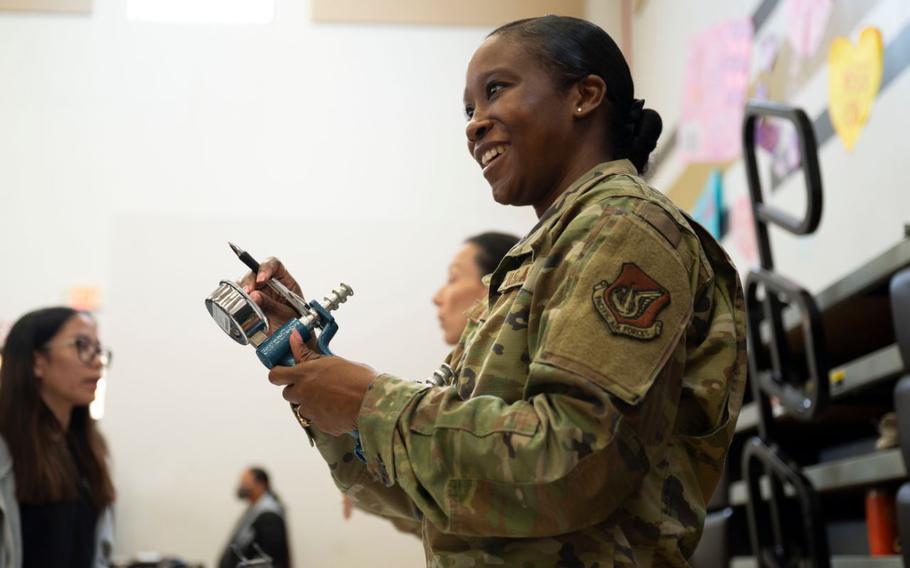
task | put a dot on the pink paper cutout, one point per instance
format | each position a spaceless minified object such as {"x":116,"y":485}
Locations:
{"x":742,"y":230}
{"x":717,"y":79}
{"x":807,"y":22}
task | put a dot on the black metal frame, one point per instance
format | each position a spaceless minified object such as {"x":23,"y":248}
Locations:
{"x":803,"y":395}
{"x":763,"y":212}
{"x":773,"y":546}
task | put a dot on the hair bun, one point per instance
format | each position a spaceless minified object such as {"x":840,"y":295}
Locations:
{"x":633,"y":117}
{"x":647,"y":129}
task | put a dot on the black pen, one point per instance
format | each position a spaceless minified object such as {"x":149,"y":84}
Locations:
{"x":245,"y":258}
{"x":298,"y":303}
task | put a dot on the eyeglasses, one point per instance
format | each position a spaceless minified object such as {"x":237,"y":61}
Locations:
{"x":87,"y":350}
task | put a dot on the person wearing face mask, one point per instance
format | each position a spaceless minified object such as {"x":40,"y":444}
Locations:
{"x":596,"y":389}
{"x":261,"y":527}
{"x":55,"y":487}
{"x":479,"y":256}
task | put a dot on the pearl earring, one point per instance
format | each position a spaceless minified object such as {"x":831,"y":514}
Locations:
{"x":578,"y":109}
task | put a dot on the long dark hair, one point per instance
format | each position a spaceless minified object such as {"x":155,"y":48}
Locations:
{"x":48,"y":463}
{"x":571,"y":49}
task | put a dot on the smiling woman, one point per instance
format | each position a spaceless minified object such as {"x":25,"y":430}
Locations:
{"x":596,"y":387}
{"x":55,"y":488}
{"x":531,"y":139}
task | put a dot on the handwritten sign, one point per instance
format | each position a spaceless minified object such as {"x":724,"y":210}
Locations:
{"x":716,"y":84}
{"x":854,"y":76}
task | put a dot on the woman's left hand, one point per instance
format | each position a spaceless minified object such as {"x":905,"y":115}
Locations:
{"x":328,"y":389}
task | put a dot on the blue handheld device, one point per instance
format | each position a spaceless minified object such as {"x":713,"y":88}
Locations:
{"x":244,"y":321}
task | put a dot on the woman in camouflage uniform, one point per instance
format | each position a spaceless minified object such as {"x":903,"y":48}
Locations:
{"x":597,"y":387}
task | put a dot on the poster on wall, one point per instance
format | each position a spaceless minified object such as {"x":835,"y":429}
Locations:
{"x":715,"y":89}
{"x":807,"y":20}
{"x":854,"y":77}
{"x":709,"y":207}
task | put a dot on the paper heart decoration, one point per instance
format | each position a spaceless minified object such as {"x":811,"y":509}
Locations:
{"x":854,"y":76}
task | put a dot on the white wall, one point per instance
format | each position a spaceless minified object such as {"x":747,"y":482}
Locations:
{"x":130,"y":153}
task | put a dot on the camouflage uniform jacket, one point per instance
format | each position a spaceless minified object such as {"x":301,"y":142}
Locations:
{"x":596,"y":392}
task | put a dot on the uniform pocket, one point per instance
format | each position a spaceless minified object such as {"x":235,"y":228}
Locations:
{"x":708,"y":452}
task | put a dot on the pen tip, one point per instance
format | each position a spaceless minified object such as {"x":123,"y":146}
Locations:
{"x":235,"y":248}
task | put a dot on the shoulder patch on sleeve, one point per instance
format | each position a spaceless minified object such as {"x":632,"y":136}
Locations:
{"x":619,"y":316}
{"x":631,"y":303}
{"x":661,"y":221}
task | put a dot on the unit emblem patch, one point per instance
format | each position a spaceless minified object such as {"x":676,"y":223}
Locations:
{"x":630,"y":303}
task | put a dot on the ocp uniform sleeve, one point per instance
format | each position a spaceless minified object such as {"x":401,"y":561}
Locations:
{"x":362,"y":487}
{"x":566,"y":455}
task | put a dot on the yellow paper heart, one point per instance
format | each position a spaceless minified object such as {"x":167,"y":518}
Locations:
{"x":854,"y":76}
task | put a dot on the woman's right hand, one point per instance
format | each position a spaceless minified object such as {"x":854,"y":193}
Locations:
{"x":256,"y":285}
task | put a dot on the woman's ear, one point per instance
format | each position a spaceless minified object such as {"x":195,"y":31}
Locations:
{"x":40,"y":364}
{"x":588,"y":94}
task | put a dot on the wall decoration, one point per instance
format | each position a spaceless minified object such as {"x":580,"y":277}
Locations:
{"x":854,"y":76}
{"x":765,"y":57}
{"x":716,"y":84}
{"x":709,"y":208}
{"x":766,"y":51}
{"x":767,"y":135}
{"x":807,"y":21}
{"x":742,"y":231}
{"x":786,"y":157}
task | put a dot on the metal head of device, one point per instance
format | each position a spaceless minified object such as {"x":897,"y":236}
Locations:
{"x":237,"y":314}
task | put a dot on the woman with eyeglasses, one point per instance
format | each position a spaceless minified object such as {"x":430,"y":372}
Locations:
{"x":55,"y":487}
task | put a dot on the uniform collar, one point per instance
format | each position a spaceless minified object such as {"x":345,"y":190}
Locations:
{"x":531,"y":242}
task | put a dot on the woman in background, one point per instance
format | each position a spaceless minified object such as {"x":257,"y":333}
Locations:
{"x":479,"y":256}
{"x":464,"y":286}
{"x":55,"y":487}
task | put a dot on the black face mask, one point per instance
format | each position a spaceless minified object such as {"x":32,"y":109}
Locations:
{"x":243,"y":493}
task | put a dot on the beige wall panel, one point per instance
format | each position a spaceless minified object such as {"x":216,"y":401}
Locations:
{"x":441,"y":12}
{"x":46,"y":5}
